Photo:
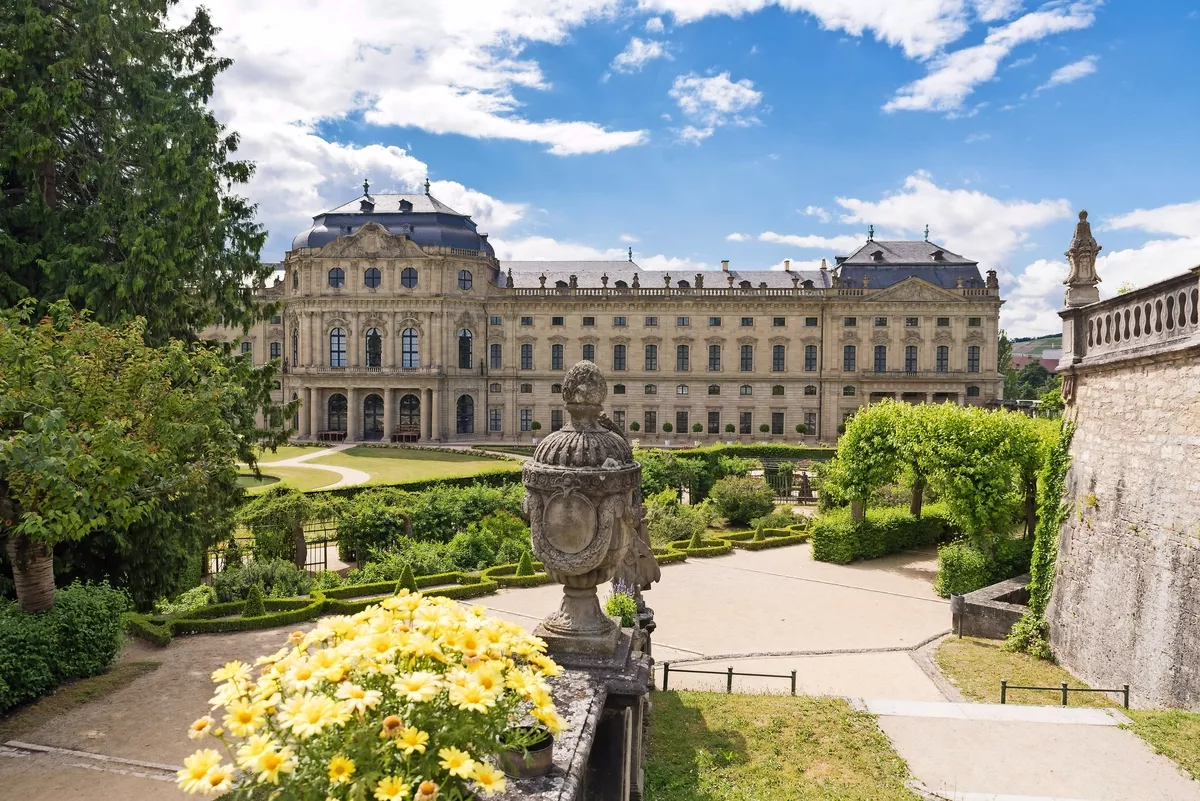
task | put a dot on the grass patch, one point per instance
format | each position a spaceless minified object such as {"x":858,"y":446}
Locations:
{"x":391,"y":465}
{"x":1174,"y":734}
{"x":516,"y":450}
{"x":716,"y":747}
{"x":248,"y":481}
{"x":302,"y":478}
{"x":68,"y":696}
{"x":266,"y":456}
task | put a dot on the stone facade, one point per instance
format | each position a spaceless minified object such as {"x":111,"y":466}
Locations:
{"x":387,"y":336}
{"x":1126,"y":601}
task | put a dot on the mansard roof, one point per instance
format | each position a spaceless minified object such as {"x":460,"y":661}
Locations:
{"x":887,"y":262}
{"x":421,"y":217}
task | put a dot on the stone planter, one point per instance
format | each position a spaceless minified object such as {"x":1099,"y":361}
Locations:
{"x":533,"y":761}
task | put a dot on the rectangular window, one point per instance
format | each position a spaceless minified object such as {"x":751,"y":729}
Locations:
{"x":810,"y":358}
{"x":618,"y":389}
{"x":973,"y":359}
{"x":714,"y":358}
{"x":556,"y":321}
{"x":714,"y":389}
{"x":880,"y":322}
{"x":682,"y":358}
{"x":681,"y":422}
{"x":650,"y":389}
{"x":943,"y":359}
{"x":714,"y":322}
{"x":810,"y":322}
{"x":912,"y":322}
{"x":652,"y":357}
{"x":880,"y":358}
{"x":910,"y":359}
{"x":849,"y":357}
{"x":589,"y":353}
{"x":496,"y":321}
{"x":619,"y":418}
{"x":745,"y":422}
{"x":494,"y":419}
{"x":556,"y":419}
{"x":526,"y":321}
{"x":651,"y":421}
{"x":974,"y":322}
{"x":683,"y":322}
{"x":943,"y":322}
{"x":778,"y":358}
{"x":588,"y":322}
{"x":556,"y":357}
{"x":276,"y":350}
{"x":651,"y":322}
{"x":527,"y":356}
{"x":746,"y":362}
{"x":810,"y":422}
{"x":276,"y":319}
{"x":526,"y":418}
{"x":776,"y":422}
{"x":714,"y":422}
{"x":496,"y":356}
{"x":618,"y":322}
{"x":849,"y":322}
{"x":747,"y":322}
{"x":247,"y":347}
{"x":778,"y":322}
{"x":618,"y":357}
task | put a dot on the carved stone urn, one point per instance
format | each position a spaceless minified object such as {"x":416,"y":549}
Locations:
{"x":579,"y":497}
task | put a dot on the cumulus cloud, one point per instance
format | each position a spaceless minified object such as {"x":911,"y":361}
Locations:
{"x":954,"y":76}
{"x":736,"y":237}
{"x":713,"y":101}
{"x":654,"y":25}
{"x":818,"y":212}
{"x":841,"y":244}
{"x":1180,"y":219}
{"x":638,"y":53}
{"x":1071,"y":72}
{"x":538,"y":248}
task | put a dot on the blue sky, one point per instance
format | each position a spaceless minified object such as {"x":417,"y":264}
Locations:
{"x":754,"y":131}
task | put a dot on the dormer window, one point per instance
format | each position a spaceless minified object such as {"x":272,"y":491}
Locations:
{"x":744,"y":284}
{"x":939,"y":255}
{"x":560,"y":284}
{"x":621,"y":285}
{"x":877,"y":256}
{"x":366,"y":204}
{"x":683,"y":284}
{"x":807,"y":285}
{"x":405,"y":205}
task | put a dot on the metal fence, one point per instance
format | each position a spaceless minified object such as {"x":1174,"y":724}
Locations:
{"x":789,"y":481}
{"x":728,"y":673}
{"x":319,"y":537}
{"x":1062,"y":689}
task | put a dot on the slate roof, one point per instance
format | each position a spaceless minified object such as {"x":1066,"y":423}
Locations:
{"x":428,"y":222}
{"x":588,"y":273}
{"x":390,"y":204}
{"x":904,"y":252}
{"x":901,"y":260}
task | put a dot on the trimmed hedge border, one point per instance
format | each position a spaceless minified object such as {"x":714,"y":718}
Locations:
{"x":759,"y":451}
{"x":137,"y":625}
{"x":772,"y":542}
{"x":668,"y":556}
{"x":505,"y":576}
{"x":838,"y":539}
{"x":489,"y":478}
{"x":455,"y":451}
{"x":710,"y":547}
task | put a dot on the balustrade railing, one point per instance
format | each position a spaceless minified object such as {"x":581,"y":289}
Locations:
{"x":714,"y":292}
{"x":363,"y":370}
{"x":1159,"y":314}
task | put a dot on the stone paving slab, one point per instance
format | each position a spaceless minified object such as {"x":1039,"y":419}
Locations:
{"x":1082,"y":716}
{"x":37,"y":777}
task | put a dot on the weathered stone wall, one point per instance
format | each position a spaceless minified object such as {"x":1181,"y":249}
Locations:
{"x":1126,"y":601}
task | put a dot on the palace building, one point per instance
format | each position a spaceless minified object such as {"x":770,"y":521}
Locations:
{"x":397,"y":322}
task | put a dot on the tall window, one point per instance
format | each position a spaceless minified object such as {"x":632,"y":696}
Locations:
{"x":849,"y":357}
{"x":337,"y":278}
{"x":466,"y":350}
{"x":681,"y":422}
{"x":618,"y":357}
{"x":276,"y":350}
{"x":374,"y":348}
{"x":589,"y":353}
{"x":778,"y":358}
{"x":619,"y":418}
{"x":337,"y":348}
{"x":651,"y":421}
{"x":652,"y":357}
{"x":295,"y":279}
{"x":556,"y":419}
{"x":247,"y":347}
{"x":880,"y":358}
{"x":682,"y":358}
{"x":526,"y":418}
{"x":910,"y":358}
{"x":973,"y":359}
{"x":527,"y":356}
{"x":496,"y":356}
{"x":943,"y":359}
{"x":776,"y":422}
{"x":745,"y":422}
{"x":464,"y":415}
{"x":337,"y":412}
{"x":810,"y":422}
{"x":556,"y":357}
{"x":714,"y":357}
{"x":295,"y":347}
{"x":746,"y":364}
{"x":464,"y":280}
{"x":494,"y":420}
{"x":372,"y":278}
{"x":810,"y":358}
{"x":408,"y":277}
{"x":714,"y":422}
{"x":410,"y":351}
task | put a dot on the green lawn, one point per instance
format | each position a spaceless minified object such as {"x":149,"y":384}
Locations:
{"x":302,"y":478}
{"x":714,"y":747}
{"x":977,"y":666}
{"x":247,"y":481}
{"x":285,"y":452}
{"x":391,"y":465}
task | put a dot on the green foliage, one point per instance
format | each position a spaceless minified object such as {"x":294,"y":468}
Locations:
{"x":498,"y":538}
{"x":138,"y":625}
{"x":425,"y":558}
{"x":961,"y":569}
{"x":275,"y":578}
{"x":668,"y":428}
{"x":740,"y":500}
{"x":487,"y":478}
{"x":779,"y":518}
{"x":439,"y":515}
{"x":696,"y":542}
{"x":836,"y":538}
{"x":79,"y":637}
{"x":327,"y":580}
{"x":729,"y":428}
{"x":407,"y":580}
{"x":635,"y":426}
{"x":697,"y":427}
{"x":525,"y":566}
{"x":254,"y":602}
{"x":764,"y":428}
{"x":196,"y":597}
{"x":758,"y":533}
{"x":277,"y":518}
{"x":622,"y":606}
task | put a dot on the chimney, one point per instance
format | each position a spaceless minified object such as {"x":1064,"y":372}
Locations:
{"x":787,"y":265}
{"x":725,"y":265}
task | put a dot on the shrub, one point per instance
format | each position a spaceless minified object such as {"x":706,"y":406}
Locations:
{"x":758,"y":533}
{"x":439,"y":515}
{"x":635,"y":426}
{"x":274,"y":577}
{"x":327,"y":580}
{"x":669,"y":522}
{"x":425,"y":558}
{"x":801,"y":428}
{"x":778,"y":518}
{"x":525,"y":566}
{"x":697,"y":427}
{"x":741,"y":499}
{"x":621,"y":605}
{"x":697,"y":541}
{"x":668,"y":428}
{"x":764,"y":428}
{"x":836,"y":538}
{"x":407,"y":580}
{"x":499,"y":538}
{"x":196,"y":597}
{"x":729,"y":428}
{"x":961,"y":569}
{"x":254,"y":602}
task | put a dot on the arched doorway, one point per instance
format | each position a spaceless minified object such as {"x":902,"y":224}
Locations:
{"x":337,"y":412}
{"x":372,"y":418}
{"x":465,"y":414}
{"x":410,"y":418}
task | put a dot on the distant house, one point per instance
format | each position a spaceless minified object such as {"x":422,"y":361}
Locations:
{"x":1049,"y":360}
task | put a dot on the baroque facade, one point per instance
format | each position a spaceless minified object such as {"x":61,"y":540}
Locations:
{"x":397,"y":322}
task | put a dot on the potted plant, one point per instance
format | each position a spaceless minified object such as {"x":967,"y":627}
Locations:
{"x":635,"y":426}
{"x":729,"y":430}
{"x":764,"y":428}
{"x":667,"y":429}
{"x":528,"y":751}
{"x":535,"y":427}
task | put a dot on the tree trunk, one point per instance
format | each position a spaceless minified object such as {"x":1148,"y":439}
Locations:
{"x":858,"y":511}
{"x":1030,"y":508}
{"x":301,"y":546}
{"x":33,"y":573}
{"x":918,"y":497}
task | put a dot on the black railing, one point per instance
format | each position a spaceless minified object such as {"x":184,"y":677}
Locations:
{"x":1063,"y":689}
{"x":728,"y":673}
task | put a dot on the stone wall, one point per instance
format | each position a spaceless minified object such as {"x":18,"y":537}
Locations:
{"x":1126,"y":601}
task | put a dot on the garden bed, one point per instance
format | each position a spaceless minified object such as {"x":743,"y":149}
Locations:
{"x":708,"y":547}
{"x":506,"y":576}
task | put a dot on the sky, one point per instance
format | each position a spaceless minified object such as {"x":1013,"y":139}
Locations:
{"x":749,"y":130}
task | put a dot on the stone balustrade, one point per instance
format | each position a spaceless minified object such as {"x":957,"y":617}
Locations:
{"x":734,"y":291}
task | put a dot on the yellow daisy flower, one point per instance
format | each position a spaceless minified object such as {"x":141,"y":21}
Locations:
{"x":472,"y":698}
{"x":488,"y":778}
{"x":244,"y":718}
{"x":426,"y":791}
{"x":358,"y":700}
{"x":195,"y":768}
{"x":201,"y":727}
{"x":412,"y":739}
{"x":307,"y":715}
{"x":235,"y":671}
{"x":340,"y":769}
{"x":391,"y":788}
{"x":271,"y":763}
{"x":418,"y":687}
{"x":218,"y":780}
{"x":456,"y":763}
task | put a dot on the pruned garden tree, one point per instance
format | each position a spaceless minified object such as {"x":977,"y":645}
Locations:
{"x":868,"y":455}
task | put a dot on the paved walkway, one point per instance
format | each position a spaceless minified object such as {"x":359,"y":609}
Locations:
{"x":349,"y":476}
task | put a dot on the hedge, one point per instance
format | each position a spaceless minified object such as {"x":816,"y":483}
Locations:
{"x":140,"y":626}
{"x":836,"y":538}
{"x":668,"y":556}
{"x":781,"y":452}
{"x":713,"y":547}
{"x":490,"y":478}
{"x":280,"y":612}
{"x":773,"y":538}
{"x":506,"y":576}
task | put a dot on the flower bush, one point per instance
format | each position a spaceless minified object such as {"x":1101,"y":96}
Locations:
{"x":410,"y":699}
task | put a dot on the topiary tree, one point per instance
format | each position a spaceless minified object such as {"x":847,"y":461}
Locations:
{"x":254,"y":606}
{"x":535,"y":426}
{"x":729,"y":428}
{"x":741,"y":499}
{"x":697,"y":541}
{"x":868,"y":455}
{"x":635,"y":426}
{"x":668,"y":428}
{"x":801,"y":428}
{"x":697,"y":427}
{"x":407,"y":580}
{"x":758,"y":533}
{"x":525,"y":566}
{"x":764,"y":428}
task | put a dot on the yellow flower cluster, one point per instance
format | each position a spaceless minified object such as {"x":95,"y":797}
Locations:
{"x":405,"y":699}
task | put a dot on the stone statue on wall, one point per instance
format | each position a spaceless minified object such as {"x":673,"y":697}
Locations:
{"x":1081,"y":256}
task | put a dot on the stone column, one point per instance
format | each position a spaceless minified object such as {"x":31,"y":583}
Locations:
{"x":352,"y":424}
{"x":305,"y":405}
{"x":314,"y":412}
{"x":389,"y":343}
{"x":388,"y":402}
{"x":435,"y":416}
{"x":315,"y":348}
{"x":426,"y":403}
{"x":353,"y":336}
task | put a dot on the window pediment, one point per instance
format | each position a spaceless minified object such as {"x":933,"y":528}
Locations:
{"x":943,"y":336}
{"x":780,"y":340}
{"x":652,"y":340}
{"x":880,"y":337}
{"x":588,"y":340}
{"x":683,"y":340}
{"x":974,"y":335}
{"x":849,"y":335}
{"x":526,"y":339}
{"x":557,"y":339}
{"x":912,"y":335}
{"x":747,"y":341}
{"x":715,"y":340}
{"x":622,"y":340}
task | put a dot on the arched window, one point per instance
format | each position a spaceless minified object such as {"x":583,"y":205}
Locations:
{"x":556,"y":389}
{"x":464,"y":283}
{"x":494,"y":386}
{"x":410,"y":350}
{"x":681,"y":389}
{"x":811,"y":389}
{"x":374,"y":348}
{"x":972,"y":392}
{"x":618,"y":357}
{"x":296,"y":416}
{"x":408,"y":277}
{"x":621,"y":285}
{"x":777,"y":389}
{"x":337,"y":412}
{"x":683,"y":284}
{"x":337,"y":348}
{"x":618,"y":389}
{"x":372,"y":278}
{"x":295,"y":347}
{"x":744,"y":284}
{"x":745,"y":389}
{"x":526,"y":388}
{"x":714,"y":389}
{"x":943,"y":359}
{"x":465,"y":352}
{"x":337,"y":277}
{"x":410,"y":413}
{"x":849,"y":391}
{"x":295,"y":278}
{"x":464,"y":414}
{"x":372,"y":418}
{"x":589,"y":353}
{"x":560,"y":284}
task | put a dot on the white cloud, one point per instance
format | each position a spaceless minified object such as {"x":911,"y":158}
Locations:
{"x":842,"y":244}
{"x":537,"y":248}
{"x":818,"y":212}
{"x":736,"y":237}
{"x":992,"y":10}
{"x":629,"y":238}
{"x":638,"y":53}
{"x":654,"y":25}
{"x":490,"y":214}
{"x":1071,"y":72}
{"x":1180,"y":219}
{"x":953,"y":76}
{"x":797,"y":264}
{"x":714,"y":101}
{"x":977,"y":137}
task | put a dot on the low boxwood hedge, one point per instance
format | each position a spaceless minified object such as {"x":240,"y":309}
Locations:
{"x":505,"y":576}
{"x":280,"y":612}
{"x":490,"y":478}
{"x":142,"y":627}
{"x":771,"y":542}
{"x":708,"y":547}
{"x":838,"y":539}
{"x":668,"y":556}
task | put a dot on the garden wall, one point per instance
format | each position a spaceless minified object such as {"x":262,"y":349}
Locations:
{"x":1126,"y":599}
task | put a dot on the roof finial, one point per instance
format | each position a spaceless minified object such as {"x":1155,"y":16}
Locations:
{"x":366,"y":187}
{"x":631,"y":253}
{"x":427,"y":185}
{"x":870,"y":233}
{"x":927,"y":232}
